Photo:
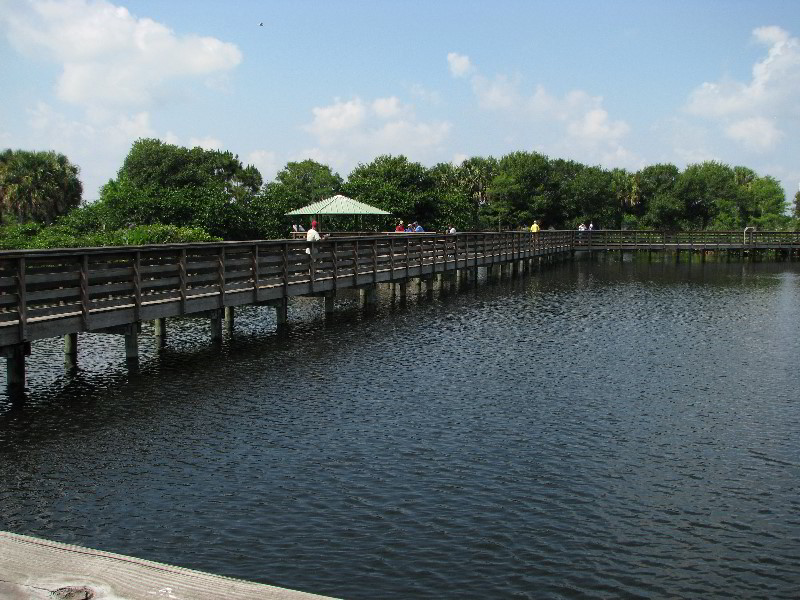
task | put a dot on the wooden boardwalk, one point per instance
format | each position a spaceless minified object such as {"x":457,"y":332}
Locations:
{"x":33,"y":568}
{"x":52,"y":293}
{"x":692,"y":241}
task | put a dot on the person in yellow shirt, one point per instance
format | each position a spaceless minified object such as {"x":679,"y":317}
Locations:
{"x":535,"y":227}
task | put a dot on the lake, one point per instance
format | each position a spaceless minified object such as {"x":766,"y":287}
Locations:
{"x":597,"y":429}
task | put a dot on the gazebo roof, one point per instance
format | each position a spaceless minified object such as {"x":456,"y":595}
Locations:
{"x":338,"y":205}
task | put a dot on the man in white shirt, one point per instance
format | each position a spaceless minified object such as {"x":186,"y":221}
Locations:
{"x":312,"y":235}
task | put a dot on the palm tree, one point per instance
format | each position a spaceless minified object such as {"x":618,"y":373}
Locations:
{"x":37,"y":186}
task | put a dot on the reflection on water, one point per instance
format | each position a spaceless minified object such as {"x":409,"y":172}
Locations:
{"x":600,"y":429}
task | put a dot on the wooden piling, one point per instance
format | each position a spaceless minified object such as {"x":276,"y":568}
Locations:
{"x":215,"y":323}
{"x":369,"y":295}
{"x":132,"y":343}
{"x":282,"y":311}
{"x":15,"y":366}
{"x":160,"y":332}
{"x":71,"y":352}
{"x":330,"y":298}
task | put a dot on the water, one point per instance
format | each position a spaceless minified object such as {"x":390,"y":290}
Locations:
{"x":597,"y":430}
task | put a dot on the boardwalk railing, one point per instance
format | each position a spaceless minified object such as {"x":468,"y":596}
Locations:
{"x":47,"y":293}
{"x":686,"y":240}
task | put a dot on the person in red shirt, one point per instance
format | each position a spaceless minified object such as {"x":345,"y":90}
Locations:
{"x":400,"y":227}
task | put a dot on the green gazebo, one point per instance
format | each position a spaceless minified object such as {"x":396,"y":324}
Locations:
{"x":336,"y":205}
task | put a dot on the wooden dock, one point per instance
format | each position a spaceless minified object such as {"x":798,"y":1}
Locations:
{"x":54,"y":293}
{"x":33,"y":569}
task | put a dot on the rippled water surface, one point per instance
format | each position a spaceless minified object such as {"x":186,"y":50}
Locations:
{"x":594,"y":430}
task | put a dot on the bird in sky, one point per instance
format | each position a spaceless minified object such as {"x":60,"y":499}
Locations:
{"x":261,"y":24}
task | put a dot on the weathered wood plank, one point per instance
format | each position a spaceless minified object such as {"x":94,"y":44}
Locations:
{"x":33,"y":569}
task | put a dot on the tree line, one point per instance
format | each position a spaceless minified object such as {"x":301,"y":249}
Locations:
{"x":167,"y":193}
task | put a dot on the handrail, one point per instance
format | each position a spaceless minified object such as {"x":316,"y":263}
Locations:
{"x":44,"y":293}
{"x":50,"y":292}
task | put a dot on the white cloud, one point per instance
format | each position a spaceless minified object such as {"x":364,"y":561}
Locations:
{"x":755,"y":133}
{"x":500,"y":93}
{"x":330,"y":121}
{"x":426,"y":95}
{"x":460,"y":65}
{"x":171,"y":138}
{"x":110,"y":58}
{"x":458,"y":158}
{"x":404,"y":136}
{"x":541,"y":102}
{"x":348,"y":131}
{"x":101,"y":144}
{"x":595,"y":126}
{"x":266,"y":162}
{"x":739,"y":106}
{"x":576,"y":125}
{"x":387,"y":108}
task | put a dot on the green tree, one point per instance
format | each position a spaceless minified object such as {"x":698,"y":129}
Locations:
{"x":592,"y":191}
{"x":297,"y":184}
{"x":768,"y":206}
{"x":561,"y":208}
{"x":658,"y":181}
{"x":37,"y":186}
{"x":517,"y":193}
{"x":453,"y":201}
{"x":171,"y":185}
{"x":665,"y":211}
{"x":475,"y":174}
{"x":300,"y":183}
{"x":709,"y":195}
{"x":393,"y":183}
{"x":797,"y":205}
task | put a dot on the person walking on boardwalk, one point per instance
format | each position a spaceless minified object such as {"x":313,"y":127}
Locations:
{"x":312,"y":236}
{"x":535,"y":227}
{"x":400,"y":228}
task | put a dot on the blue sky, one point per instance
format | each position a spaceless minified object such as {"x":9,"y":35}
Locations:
{"x":617,"y":84}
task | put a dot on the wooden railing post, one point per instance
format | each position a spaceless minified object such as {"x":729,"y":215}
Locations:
{"x":183,"y":279}
{"x":374,"y":260}
{"x":137,"y":285}
{"x":355,"y":262}
{"x":312,"y":267}
{"x":254,"y":269}
{"x":221,"y":275}
{"x":391,"y":256}
{"x":408,"y":257}
{"x":85,"y":307}
{"x":22,"y":301}
{"x":285,"y":270}
{"x":335,"y":257}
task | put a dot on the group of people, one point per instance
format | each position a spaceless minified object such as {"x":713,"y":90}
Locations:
{"x":417,"y":228}
{"x":409,"y":228}
{"x":313,"y":235}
